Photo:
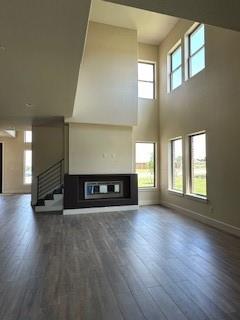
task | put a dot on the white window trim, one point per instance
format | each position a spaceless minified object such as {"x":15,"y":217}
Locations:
{"x":156,"y":187}
{"x":170,"y":170}
{"x":187,"y":57}
{"x":154,"y":82}
{"x":169,"y":63}
{"x":188,"y":192}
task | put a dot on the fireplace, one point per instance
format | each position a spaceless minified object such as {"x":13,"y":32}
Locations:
{"x":101,"y":190}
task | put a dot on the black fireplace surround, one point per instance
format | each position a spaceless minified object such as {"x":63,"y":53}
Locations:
{"x":75,"y":194}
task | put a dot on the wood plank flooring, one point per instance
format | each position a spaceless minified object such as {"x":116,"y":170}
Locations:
{"x":145,"y":265}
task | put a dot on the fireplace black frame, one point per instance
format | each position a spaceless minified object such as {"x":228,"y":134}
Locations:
{"x":74,"y":193}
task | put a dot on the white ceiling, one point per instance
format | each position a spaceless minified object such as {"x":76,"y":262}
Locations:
{"x":220,"y":13}
{"x":152,"y":27}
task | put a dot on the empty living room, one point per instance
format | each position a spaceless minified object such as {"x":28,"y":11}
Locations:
{"x":119,"y":160}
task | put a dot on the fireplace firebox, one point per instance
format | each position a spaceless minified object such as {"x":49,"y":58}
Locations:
{"x":103,"y":189}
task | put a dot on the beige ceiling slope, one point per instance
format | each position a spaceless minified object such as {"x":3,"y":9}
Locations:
{"x":151,"y":27}
{"x":220,"y":13}
{"x":41,"y":46}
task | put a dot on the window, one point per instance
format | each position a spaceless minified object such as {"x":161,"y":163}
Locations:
{"x":145,"y":164}
{"x":175,"y":68}
{"x":176,"y":165}
{"x":198,"y":168}
{"x":28,"y":136}
{"x":196,"y":50}
{"x":146,"y":80}
{"x":27,"y":166}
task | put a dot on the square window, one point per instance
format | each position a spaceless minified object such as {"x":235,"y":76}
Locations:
{"x":198,"y":165}
{"x":28,"y":136}
{"x":196,"y":51}
{"x":27,"y":166}
{"x":175,"y":68}
{"x":197,"y":62}
{"x":145,"y":164}
{"x":146,"y":80}
{"x":176,"y":78}
{"x":176,"y":165}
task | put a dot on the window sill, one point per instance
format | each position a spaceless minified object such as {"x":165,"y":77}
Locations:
{"x":177,"y":193}
{"x":196,"y":197}
{"x":151,"y":99}
{"x":148,"y":189}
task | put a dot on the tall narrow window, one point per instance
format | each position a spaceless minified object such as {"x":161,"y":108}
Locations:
{"x":28,"y":136}
{"x":146,"y":80}
{"x":175,"y":68}
{"x":27,"y":166}
{"x":145,"y":164}
{"x":196,"y":50}
{"x":176,"y":165}
{"x":198,"y":166}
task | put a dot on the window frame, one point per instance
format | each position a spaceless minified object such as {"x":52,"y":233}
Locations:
{"x":24,"y":167}
{"x":190,"y":175}
{"x":152,"y":63}
{"x":188,"y":54}
{"x":170,"y":161}
{"x":169,"y":63}
{"x":155,"y":170}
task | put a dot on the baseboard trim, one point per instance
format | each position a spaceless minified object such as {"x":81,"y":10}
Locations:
{"x":204,"y":219}
{"x":100,"y":209}
{"x":149,"y":202}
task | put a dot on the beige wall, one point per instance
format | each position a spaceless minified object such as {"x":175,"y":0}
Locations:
{"x":107,"y":86}
{"x":147,"y":129}
{"x":47,"y":148}
{"x":13,"y":164}
{"x":96,"y":149}
{"x":110,"y":149}
{"x":209,"y":101}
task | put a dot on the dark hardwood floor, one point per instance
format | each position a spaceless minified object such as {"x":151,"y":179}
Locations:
{"x":148,"y":264}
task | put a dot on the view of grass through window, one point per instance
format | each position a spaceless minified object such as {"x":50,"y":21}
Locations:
{"x":145,"y":164}
{"x":198,"y":164}
{"x":177,"y":165}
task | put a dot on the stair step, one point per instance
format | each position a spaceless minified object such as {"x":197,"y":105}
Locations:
{"x":49,"y":196}
{"x":51,"y":202}
{"x":48,"y":209}
{"x":58,"y":191}
{"x":57,"y":200}
{"x":40,"y":202}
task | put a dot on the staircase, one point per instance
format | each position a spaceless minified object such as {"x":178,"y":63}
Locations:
{"x":50,"y":189}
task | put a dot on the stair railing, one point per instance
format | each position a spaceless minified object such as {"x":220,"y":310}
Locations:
{"x":50,"y":180}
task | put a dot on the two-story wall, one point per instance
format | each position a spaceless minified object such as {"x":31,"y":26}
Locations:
{"x":108,"y":116}
{"x":208,"y":101}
